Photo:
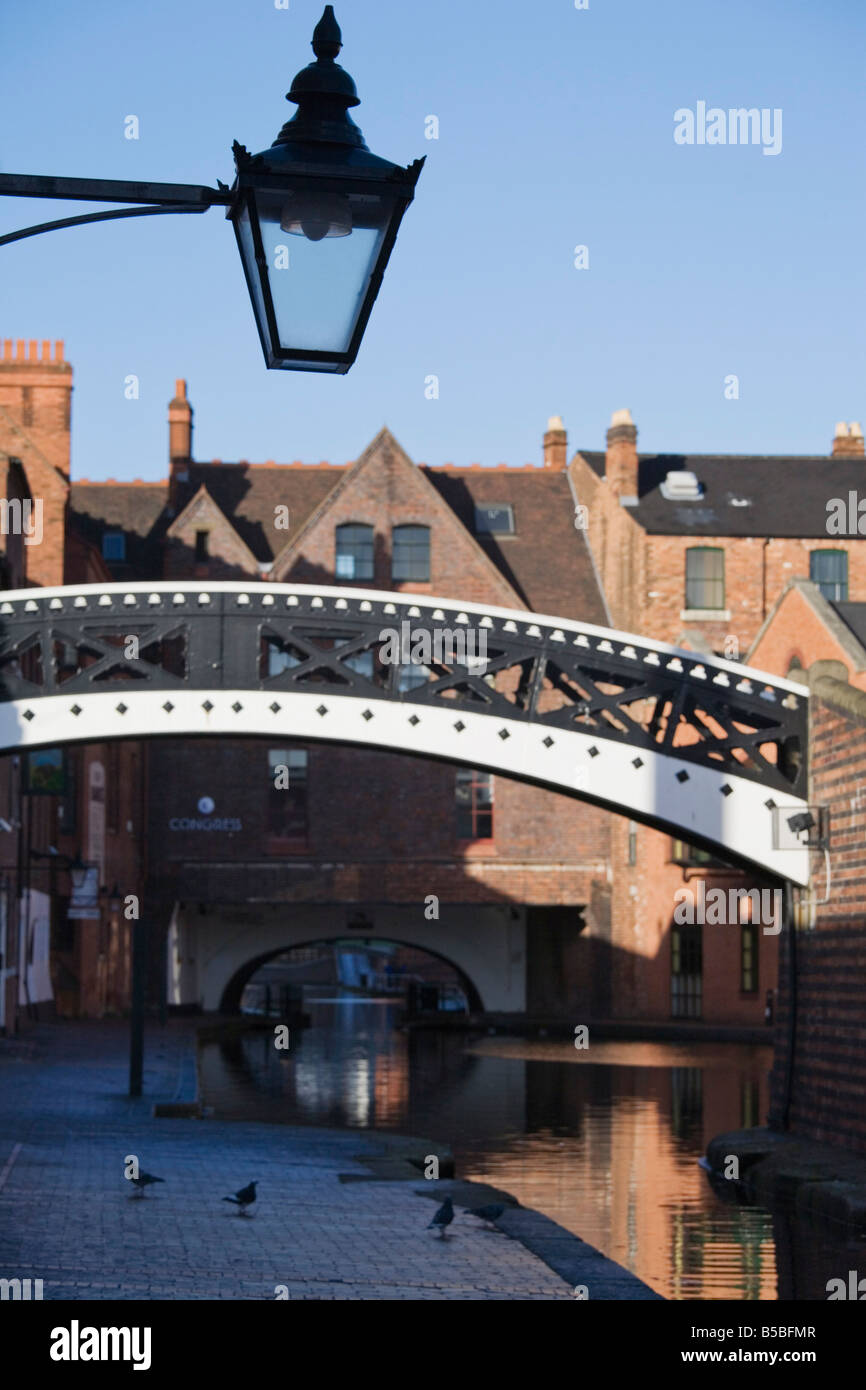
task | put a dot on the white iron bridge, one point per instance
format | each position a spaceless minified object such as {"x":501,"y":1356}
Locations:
{"x":709,"y":750}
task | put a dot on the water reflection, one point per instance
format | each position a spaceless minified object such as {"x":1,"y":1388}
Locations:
{"x":604,"y":1141}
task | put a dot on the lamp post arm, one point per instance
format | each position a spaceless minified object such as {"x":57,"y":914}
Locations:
{"x":113,"y":191}
{"x":152,"y":199}
{"x":91,"y":217}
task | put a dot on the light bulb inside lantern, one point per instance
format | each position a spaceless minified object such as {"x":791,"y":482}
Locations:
{"x":317,"y":215}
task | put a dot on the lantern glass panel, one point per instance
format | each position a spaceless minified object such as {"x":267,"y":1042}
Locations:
{"x":320,"y":251}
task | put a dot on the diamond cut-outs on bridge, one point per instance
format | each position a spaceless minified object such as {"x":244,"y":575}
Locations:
{"x":367,"y":714}
{"x":28,"y":715}
{"x":593,"y":751}
{"x":682,"y":776}
{"x":460,"y":726}
{"x":207,"y":706}
{"x":413,"y":720}
{"x":237,"y":706}
{"x":323,"y":709}
{"x":637,"y":762}
{"x":503,"y":734}
{"x":168,"y":707}
{"x":275,"y":708}
{"x":548,"y":742}
{"x":121,"y":708}
{"x":76,"y":709}
{"x":770,"y":804}
{"x":726,"y":790}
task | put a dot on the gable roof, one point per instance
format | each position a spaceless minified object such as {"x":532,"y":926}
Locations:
{"x":385,"y":451}
{"x":202,"y":508}
{"x":545,"y":565}
{"x":249,"y":493}
{"x":786,"y":496}
{"x":853,"y":616}
{"x":840,"y":621}
{"x":546,"y":559}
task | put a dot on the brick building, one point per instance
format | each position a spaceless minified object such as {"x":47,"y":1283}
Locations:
{"x":57,"y":806}
{"x":699,"y":551}
{"x":819,"y":1077}
{"x":694,"y":551}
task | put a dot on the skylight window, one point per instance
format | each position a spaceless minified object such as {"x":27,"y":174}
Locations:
{"x":494,"y":519}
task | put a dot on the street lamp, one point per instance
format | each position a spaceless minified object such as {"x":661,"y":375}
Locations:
{"x":316,"y":217}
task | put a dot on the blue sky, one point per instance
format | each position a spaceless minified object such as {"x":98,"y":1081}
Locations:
{"x":555,"y":129}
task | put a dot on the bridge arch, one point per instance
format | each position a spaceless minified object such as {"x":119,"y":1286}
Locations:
{"x":232,"y":993}
{"x":703,"y":748}
{"x":212,"y":953}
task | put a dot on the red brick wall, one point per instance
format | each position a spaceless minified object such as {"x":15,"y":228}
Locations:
{"x":546,"y":848}
{"x":798,"y":633}
{"x":828,"y":1093}
{"x":644,"y":576}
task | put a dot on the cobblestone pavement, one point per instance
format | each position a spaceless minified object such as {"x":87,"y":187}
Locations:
{"x":68,"y":1216}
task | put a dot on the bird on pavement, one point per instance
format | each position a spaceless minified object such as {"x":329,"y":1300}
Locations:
{"x":243,"y":1199}
{"x":443,"y":1217}
{"x":488,"y":1214}
{"x":144,"y":1180}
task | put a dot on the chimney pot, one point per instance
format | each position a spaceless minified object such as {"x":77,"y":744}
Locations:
{"x":848,"y":441}
{"x":555,"y":445}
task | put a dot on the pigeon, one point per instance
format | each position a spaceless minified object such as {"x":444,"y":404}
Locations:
{"x":488,"y":1214}
{"x":443,"y":1217}
{"x":244,"y":1198}
{"x":144,"y":1180}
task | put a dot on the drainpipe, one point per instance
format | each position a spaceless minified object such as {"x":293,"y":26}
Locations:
{"x":792,"y":1004}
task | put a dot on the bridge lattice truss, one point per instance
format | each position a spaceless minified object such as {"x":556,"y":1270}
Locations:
{"x":544,"y":681}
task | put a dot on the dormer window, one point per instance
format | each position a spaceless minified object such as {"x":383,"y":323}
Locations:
{"x":494,"y":519}
{"x":114,"y":547}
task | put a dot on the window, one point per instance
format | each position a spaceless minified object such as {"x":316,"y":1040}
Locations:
{"x":354,"y":551}
{"x":411,"y":676}
{"x":114,"y":547}
{"x":68,"y":806}
{"x":112,"y":800}
{"x":749,"y":958}
{"x":473,"y":794}
{"x":829,"y":570}
{"x":689,"y":856}
{"x":494,"y":518}
{"x":705,"y":578}
{"x":201,"y":546}
{"x":686,"y":972}
{"x":287,"y":794}
{"x":410,"y":557}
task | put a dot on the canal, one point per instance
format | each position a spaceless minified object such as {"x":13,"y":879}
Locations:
{"x":605,"y":1141}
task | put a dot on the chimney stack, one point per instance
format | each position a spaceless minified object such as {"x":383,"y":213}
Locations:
{"x":36,"y":389}
{"x":848,"y":441}
{"x":621,"y":461}
{"x":555,"y":444}
{"x":179,"y":426}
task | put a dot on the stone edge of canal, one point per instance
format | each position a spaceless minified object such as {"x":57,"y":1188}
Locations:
{"x":590,"y":1273}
